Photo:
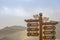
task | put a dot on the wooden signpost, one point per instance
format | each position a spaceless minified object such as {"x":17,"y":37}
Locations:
{"x":32,"y":29}
{"x":35,"y":27}
{"x":32,"y":24}
{"x":32,"y":34}
{"x":49,"y":32}
{"x":49,"y":37}
{"x":49,"y":27}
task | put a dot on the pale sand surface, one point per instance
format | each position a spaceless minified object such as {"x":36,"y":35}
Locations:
{"x":21,"y":35}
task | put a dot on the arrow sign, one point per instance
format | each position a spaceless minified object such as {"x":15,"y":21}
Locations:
{"x":32,"y":29}
{"x":32,"y":24}
{"x":32,"y":34}
{"x":32,"y":20}
{"x":49,"y":27}
{"x":49,"y":32}
{"x":50,"y":23}
{"x":49,"y":37}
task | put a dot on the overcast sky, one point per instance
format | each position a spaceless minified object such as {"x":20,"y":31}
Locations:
{"x":13,"y":12}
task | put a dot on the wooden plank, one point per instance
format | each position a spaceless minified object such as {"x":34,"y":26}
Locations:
{"x":49,"y":27}
{"x":49,"y":32}
{"x":32,"y":20}
{"x":32,"y":34}
{"x":50,"y":23}
{"x":49,"y":37}
{"x":32,"y":24}
{"x":32,"y":29}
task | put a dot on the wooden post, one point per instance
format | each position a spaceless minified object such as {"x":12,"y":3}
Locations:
{"x":40,"y":26}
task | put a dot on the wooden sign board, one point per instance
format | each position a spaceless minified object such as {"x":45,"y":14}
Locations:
{"x":32,"y":24}
{"x":50,"y":23}
{"x":32,"y":29}
{"x":49,"y":32}
{"x":32,"y":34}
{"x":49,"y":37}
{"x":32,"y":20}
{"x":49,"y":27}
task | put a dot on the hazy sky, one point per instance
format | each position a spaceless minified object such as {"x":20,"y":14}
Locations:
{"x":13,"y":12}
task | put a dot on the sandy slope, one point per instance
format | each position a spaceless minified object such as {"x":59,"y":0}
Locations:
{"x":21,"y":35}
